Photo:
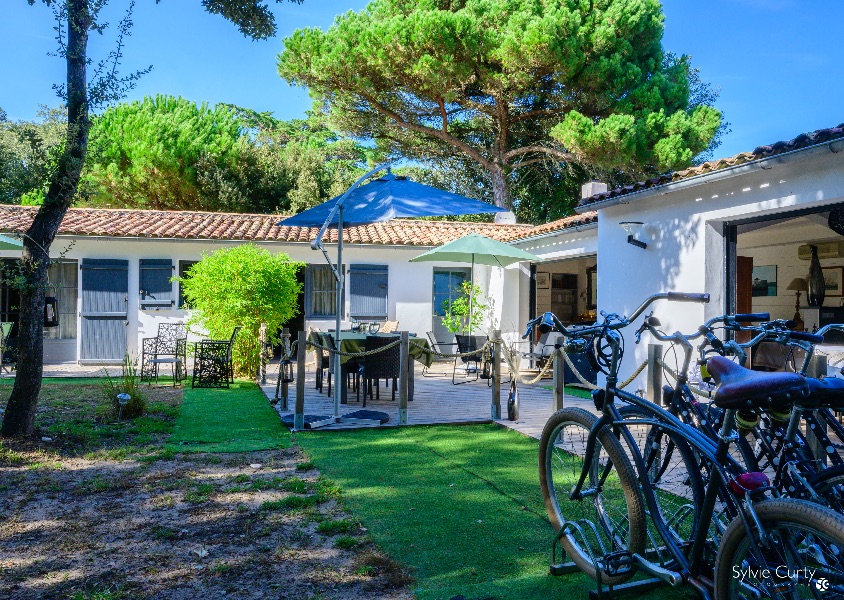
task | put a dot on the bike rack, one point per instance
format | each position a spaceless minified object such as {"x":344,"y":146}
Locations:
{"x":612,"y":562}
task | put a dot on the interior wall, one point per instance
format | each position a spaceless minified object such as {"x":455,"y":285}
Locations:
{"x":575,"y":266}
{"x":777,"y":245}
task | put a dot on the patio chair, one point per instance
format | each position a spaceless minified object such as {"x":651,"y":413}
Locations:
{"x":7,"y":351}
{"x":389,"y":327}
{"x":381,"y":365}
{"x":468,"y":343}
{"x":213,"y":366}
{"x":169,"y":347}
{"x":441,"y":348}
{"x":326,"y":361}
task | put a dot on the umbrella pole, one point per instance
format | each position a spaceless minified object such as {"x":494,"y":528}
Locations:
{"x":338,"y":379}
{"x":471,"y":292}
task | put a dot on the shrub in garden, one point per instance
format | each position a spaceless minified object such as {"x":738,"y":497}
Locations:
{"x":128,"y":382}
{"x":244,"y":286}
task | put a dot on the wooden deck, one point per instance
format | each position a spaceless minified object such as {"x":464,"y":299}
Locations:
{"x":438,"y":401}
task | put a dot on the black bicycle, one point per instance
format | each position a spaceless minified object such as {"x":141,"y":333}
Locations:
{"x":598,"y":493}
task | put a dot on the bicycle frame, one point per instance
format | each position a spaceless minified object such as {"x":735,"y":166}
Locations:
{"x":716,"y":455}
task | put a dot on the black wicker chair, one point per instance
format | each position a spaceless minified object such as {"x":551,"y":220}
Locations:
{"x":169,"y":347}
{"x":213,"y":366}
{"x":381,"y":365}
{"x":469,"y":343}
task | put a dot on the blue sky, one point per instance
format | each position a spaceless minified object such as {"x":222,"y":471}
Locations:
{"x":777,"y":62}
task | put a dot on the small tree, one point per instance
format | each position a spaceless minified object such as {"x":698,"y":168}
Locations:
{"x":456,"y":318}
{"x":244,"y":286}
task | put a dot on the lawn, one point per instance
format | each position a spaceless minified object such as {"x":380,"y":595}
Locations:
{"x":459,"y":504}
{"x":94,"y":508}
{"x":238,"y":419}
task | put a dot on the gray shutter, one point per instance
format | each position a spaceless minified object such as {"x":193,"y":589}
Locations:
{"x":105,"y":286}
{"x":368,"y":287}
{"x":156,"y":289}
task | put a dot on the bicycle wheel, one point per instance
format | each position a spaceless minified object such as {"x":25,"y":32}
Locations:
{"x":609,"y":517}
{"x":801,"y":559}
{"x":829,"y":485}
{"x":673,"y":472}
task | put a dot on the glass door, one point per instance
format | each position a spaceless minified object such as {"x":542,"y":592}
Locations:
{"x":447,"y":286}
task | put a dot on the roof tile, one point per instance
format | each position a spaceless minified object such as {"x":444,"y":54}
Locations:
{"x":803,"y":140}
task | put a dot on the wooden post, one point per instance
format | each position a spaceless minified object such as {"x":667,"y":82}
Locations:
{"x":285,"y":345}
{"x":262,"y":342}
{"x":817,"y":368}
{"x":495,"y":408}
{"x":653,"y":389}
{"x":559,"y":379}
{"x":404,"y":355}
{"x":299,"y":412}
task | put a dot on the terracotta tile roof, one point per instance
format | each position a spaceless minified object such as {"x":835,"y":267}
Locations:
{"x":222,"y":226}
{"x":801,"y":141}
{"x":585,"y":218}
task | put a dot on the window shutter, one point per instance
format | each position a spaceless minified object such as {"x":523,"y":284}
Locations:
{"x":368,"y":287}
{"x":156,"y":289}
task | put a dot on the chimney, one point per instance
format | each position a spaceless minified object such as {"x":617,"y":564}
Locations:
{"x":590,"y":188}
{"x":506,"y":218}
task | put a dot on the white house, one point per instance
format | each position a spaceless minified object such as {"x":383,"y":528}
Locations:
{"x":113,"y":281}
{"x":736,"y":228}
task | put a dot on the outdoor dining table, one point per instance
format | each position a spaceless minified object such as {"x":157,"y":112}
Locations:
{"x":353,"y":342}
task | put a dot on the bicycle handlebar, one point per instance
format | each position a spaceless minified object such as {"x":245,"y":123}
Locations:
{"x":751,"y":317}
{"x":549,"y":321}
{"x":683,"y":297}
{"x":804,"y":336}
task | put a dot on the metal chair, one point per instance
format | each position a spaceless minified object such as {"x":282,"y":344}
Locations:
{"x":468,"y":343}
{"x":213,"y":365}
{"x":439,"y":347}
{"x":380,"y":365}
{"x":168,"y":347}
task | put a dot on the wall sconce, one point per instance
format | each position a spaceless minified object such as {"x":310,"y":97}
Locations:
{"x":632,"y":228}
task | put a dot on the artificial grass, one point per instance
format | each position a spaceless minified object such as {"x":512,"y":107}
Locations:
{"x":460,"y":505}
{"x":577,"y":392}
{"x":238,"y":419}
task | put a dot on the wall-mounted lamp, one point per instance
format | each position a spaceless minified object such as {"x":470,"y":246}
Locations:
{"x":632,"y":228}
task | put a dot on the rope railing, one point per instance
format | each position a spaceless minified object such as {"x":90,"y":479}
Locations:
{"x":696,"y":390}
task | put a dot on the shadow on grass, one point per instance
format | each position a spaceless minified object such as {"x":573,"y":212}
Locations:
{"x":460,"y":505}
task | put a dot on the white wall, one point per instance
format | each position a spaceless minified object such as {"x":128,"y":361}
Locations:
{"x":410,"y":285}
{"x":683,"y":225}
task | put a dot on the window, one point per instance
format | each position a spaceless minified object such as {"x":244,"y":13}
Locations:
{"x":155,"y":287}
{"x":184,"y":266}
{"x":447,"y":287}
{"x":368,"y":289}
{"x":320,"y":292}
{"x":63,"y":284}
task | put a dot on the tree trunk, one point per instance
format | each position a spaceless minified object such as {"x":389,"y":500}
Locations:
{"x":500,"y":188}
{"x":19,"y":417}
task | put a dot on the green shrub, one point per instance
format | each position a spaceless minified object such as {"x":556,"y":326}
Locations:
{"x":129,"y":382}
{"x":243,"y":286}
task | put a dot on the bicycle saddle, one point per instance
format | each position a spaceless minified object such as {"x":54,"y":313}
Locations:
{"x":742,"y":388}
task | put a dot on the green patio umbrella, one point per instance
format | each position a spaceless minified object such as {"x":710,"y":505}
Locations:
{"x":475,"y":248}
{"x":7,"y":243}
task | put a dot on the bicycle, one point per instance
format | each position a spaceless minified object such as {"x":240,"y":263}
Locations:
{"x":611,"y":546}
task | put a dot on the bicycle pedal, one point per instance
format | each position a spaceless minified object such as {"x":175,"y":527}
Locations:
{"x":618,"y":563}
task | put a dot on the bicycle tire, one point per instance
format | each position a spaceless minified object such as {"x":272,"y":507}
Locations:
{"x":829,"y":485}
{"x":614,"y":516}
{"x":673,"y":470}
{"x":795,"y":521}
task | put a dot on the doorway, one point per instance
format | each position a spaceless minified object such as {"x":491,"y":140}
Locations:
{"x":448,"y":286}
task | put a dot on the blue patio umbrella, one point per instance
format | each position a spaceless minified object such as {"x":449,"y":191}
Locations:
{"x":387,"y":197}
